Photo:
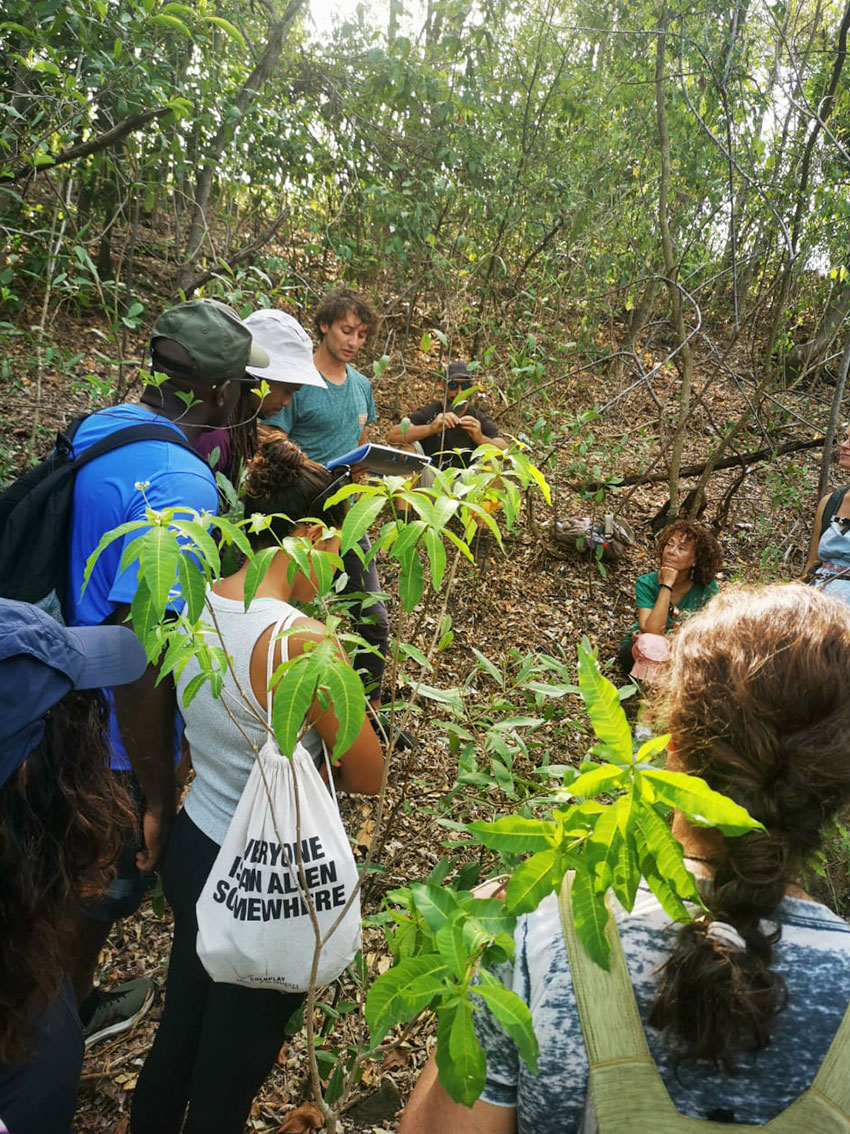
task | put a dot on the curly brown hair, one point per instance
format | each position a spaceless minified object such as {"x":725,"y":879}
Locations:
{"x":283,"y":483}
{"x":755,"y":698}
{"x":708,"y":556}
{"x":337,"y":304}
{"x":63,"y":821}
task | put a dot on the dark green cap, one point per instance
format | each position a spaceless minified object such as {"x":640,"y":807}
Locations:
{"x":215,"y":338}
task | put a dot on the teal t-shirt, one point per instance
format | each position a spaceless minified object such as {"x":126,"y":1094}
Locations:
{"x":646,"y":592}
{"x":328,"y":422}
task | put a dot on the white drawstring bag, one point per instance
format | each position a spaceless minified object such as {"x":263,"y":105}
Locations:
{"x":254,"y":923}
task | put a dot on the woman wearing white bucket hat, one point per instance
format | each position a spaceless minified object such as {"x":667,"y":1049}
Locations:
{"x":290,"y":352}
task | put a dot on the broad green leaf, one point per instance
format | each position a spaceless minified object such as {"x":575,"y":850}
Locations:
{"x":461,"y":1064}
{"x":178,"y":651}
{"x":234,"y":33}
{"x":410,"y":535}
{"x":193,"y":587}
{"x":415,"y":654}
{"x":411,"y":580}
{"x":488,"y":667}
{"x":204,"y":545}
{"x":444,"y":508}
{"x":159,"y":559}
{"x":514,"y":834}
{"x":105,"y":540}
{"x":387,"y":1002}
{"x":669,"y":899}
{"x":345,"y":693}
{"x":651,"y":748}
{"x":450,"y":941}
{"x":193,"y":687}
{"x":358,"y":520}
{"x":602,"y":849}
{"x":627,"y":872}
{"x":292,"y":698}
{"x":512,"y":1013}
{"x":256,"y":571}
{"x":607,"y":777}
{"x":170,"y":23}
{"x":436,"y":552}
{"x":489,"y":913}
{"x":700,"y":803}
{"x":530,"y":882}
{"x":590,"y":917}
{"x":144,"y":617}
{"x":603,"y":705}
{"x":665,"y":851}
{"x":435,"y":904}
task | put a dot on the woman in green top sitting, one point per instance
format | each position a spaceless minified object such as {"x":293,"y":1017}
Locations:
{"x":690,"y":558}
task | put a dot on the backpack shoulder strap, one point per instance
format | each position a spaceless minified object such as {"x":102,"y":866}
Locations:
{"x":833,"y":1077}
{"x":832,"y":506}
{"x":624,"y":1083}
{"x":131,"y":433}
{"x":606,"y":1002}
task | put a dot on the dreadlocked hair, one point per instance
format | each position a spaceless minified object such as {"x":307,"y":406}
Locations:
{"x":756,"y":700}
{"x":243,"y":431}
{"x":63,"y":821}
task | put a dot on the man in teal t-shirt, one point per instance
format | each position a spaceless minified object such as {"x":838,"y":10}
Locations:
{"x":329,"y":422}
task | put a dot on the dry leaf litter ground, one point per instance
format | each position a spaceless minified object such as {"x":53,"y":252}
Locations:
{"x":530,"y":597}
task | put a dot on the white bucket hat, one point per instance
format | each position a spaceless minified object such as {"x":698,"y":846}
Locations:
{"x":289,"y":347}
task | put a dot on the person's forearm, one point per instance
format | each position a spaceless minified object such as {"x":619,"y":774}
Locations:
{"x":413,"y":433}
{"x":145,"y":713}
{"x":655,"y":621}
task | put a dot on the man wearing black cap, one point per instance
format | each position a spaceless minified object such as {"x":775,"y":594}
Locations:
{"x":200,"y":350}
{"x":449,"y":430}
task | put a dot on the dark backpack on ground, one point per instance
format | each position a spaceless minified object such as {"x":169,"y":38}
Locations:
{"x":35,"y":515}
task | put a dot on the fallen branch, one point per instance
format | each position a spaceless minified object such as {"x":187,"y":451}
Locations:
{"x":695,"y":470}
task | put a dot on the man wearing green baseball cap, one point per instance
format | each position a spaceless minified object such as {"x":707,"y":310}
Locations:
{"x":199,"y":351}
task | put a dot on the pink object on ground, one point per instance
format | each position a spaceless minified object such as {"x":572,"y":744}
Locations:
{"x":651,"y":653}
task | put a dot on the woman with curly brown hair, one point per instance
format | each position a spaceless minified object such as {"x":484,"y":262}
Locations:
{"x":217,"y":1042}
{"x":739,"y":1006}
{"x":689,"y":557}
{"x":63,"y":820}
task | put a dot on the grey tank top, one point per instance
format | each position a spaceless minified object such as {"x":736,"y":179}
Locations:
{"x":224,"y":746}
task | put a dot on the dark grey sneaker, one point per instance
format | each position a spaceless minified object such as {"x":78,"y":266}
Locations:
{"x":110,"y":1013}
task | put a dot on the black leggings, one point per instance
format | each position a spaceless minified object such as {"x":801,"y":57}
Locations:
{"x":216,"y":1042}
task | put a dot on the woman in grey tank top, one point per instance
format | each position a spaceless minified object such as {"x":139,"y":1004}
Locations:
{"x":217,"y":1042}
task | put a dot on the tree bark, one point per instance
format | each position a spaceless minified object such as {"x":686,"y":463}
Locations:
{"x":278,"y":32}
{"x":670,"y":266}
{"x":93,"y":145}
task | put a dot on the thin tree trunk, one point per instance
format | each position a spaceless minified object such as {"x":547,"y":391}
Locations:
{"x":278,"y":32}
{"x":670,"y":266}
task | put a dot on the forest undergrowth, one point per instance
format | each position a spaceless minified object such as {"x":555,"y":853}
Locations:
{"x":531,"y":597}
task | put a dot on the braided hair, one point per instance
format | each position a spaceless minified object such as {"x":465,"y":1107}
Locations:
{"x":281,"y":482}
{"x":756,"y":699}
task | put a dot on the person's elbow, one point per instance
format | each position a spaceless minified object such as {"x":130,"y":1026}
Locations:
{"x":362,"y":766}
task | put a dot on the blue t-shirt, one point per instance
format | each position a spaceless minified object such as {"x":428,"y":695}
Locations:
{"x":327,"y":422}
{"x":105,"y":495}
{"x":812,"y":956}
